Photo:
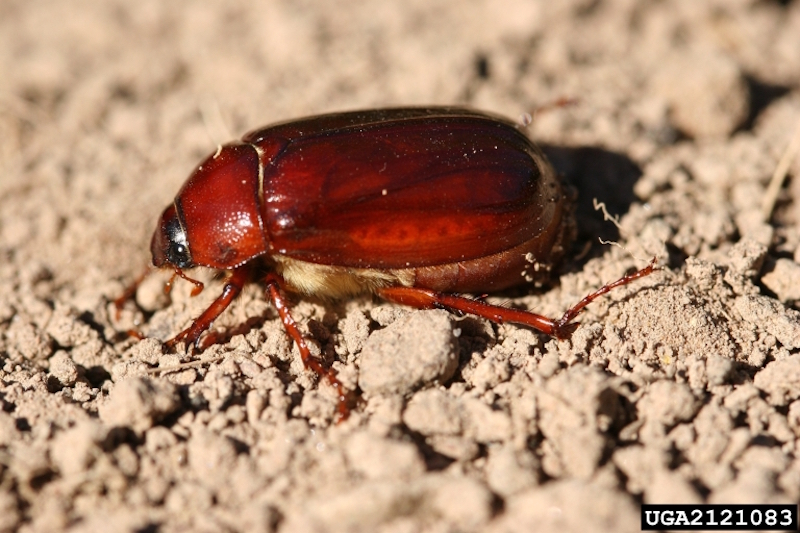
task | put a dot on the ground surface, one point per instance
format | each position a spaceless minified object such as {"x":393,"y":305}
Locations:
{"x":683,"y":387}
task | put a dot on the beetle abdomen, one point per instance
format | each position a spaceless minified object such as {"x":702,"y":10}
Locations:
{"x":337,"y":281}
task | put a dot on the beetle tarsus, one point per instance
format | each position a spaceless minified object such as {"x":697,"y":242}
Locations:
{"x":565,"y":327}
{"x":576,"y":309}
{"x":563,"y":331}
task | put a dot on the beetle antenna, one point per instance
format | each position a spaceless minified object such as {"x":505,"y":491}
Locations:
{"x":198,"y":285}
{"x":170,"y":281}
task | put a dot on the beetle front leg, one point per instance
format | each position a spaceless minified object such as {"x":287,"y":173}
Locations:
{"x":275,"y":292}
{"x":130,"y":291}
{"x":233,"y":286}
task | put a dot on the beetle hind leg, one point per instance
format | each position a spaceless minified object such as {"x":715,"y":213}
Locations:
{"x":561,"y":328}
{"x":428,"y":299}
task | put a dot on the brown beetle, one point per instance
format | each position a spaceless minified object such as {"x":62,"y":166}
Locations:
{"x":411,"y":204}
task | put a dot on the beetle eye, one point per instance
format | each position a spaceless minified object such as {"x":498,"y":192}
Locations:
{"x":178,"y":255}
{"x":178,"y":251}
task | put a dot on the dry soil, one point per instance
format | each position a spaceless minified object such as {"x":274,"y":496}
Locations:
{"x":682,"y":387}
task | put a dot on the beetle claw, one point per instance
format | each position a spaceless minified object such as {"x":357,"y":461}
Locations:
{"x":565,"y":331}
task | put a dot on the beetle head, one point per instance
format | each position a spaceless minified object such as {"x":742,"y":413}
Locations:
{"x":215,"y":220}
{"x":169,"y":244}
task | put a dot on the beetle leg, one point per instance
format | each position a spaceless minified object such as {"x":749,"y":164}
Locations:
{"x":130,"y":291}
{"x":274,"y":286}
{"x":561,"y":328}
{"x":127,"y":295}
{"x":428,"y":299}
{"x":233,"y":286}
{"x":575,"y":310}
{"x":274,"y":291}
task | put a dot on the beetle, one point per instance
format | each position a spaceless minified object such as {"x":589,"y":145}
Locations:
{"x":411,"y":204}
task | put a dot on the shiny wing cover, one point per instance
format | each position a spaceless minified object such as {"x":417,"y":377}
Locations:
{"x":402,"y":188}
